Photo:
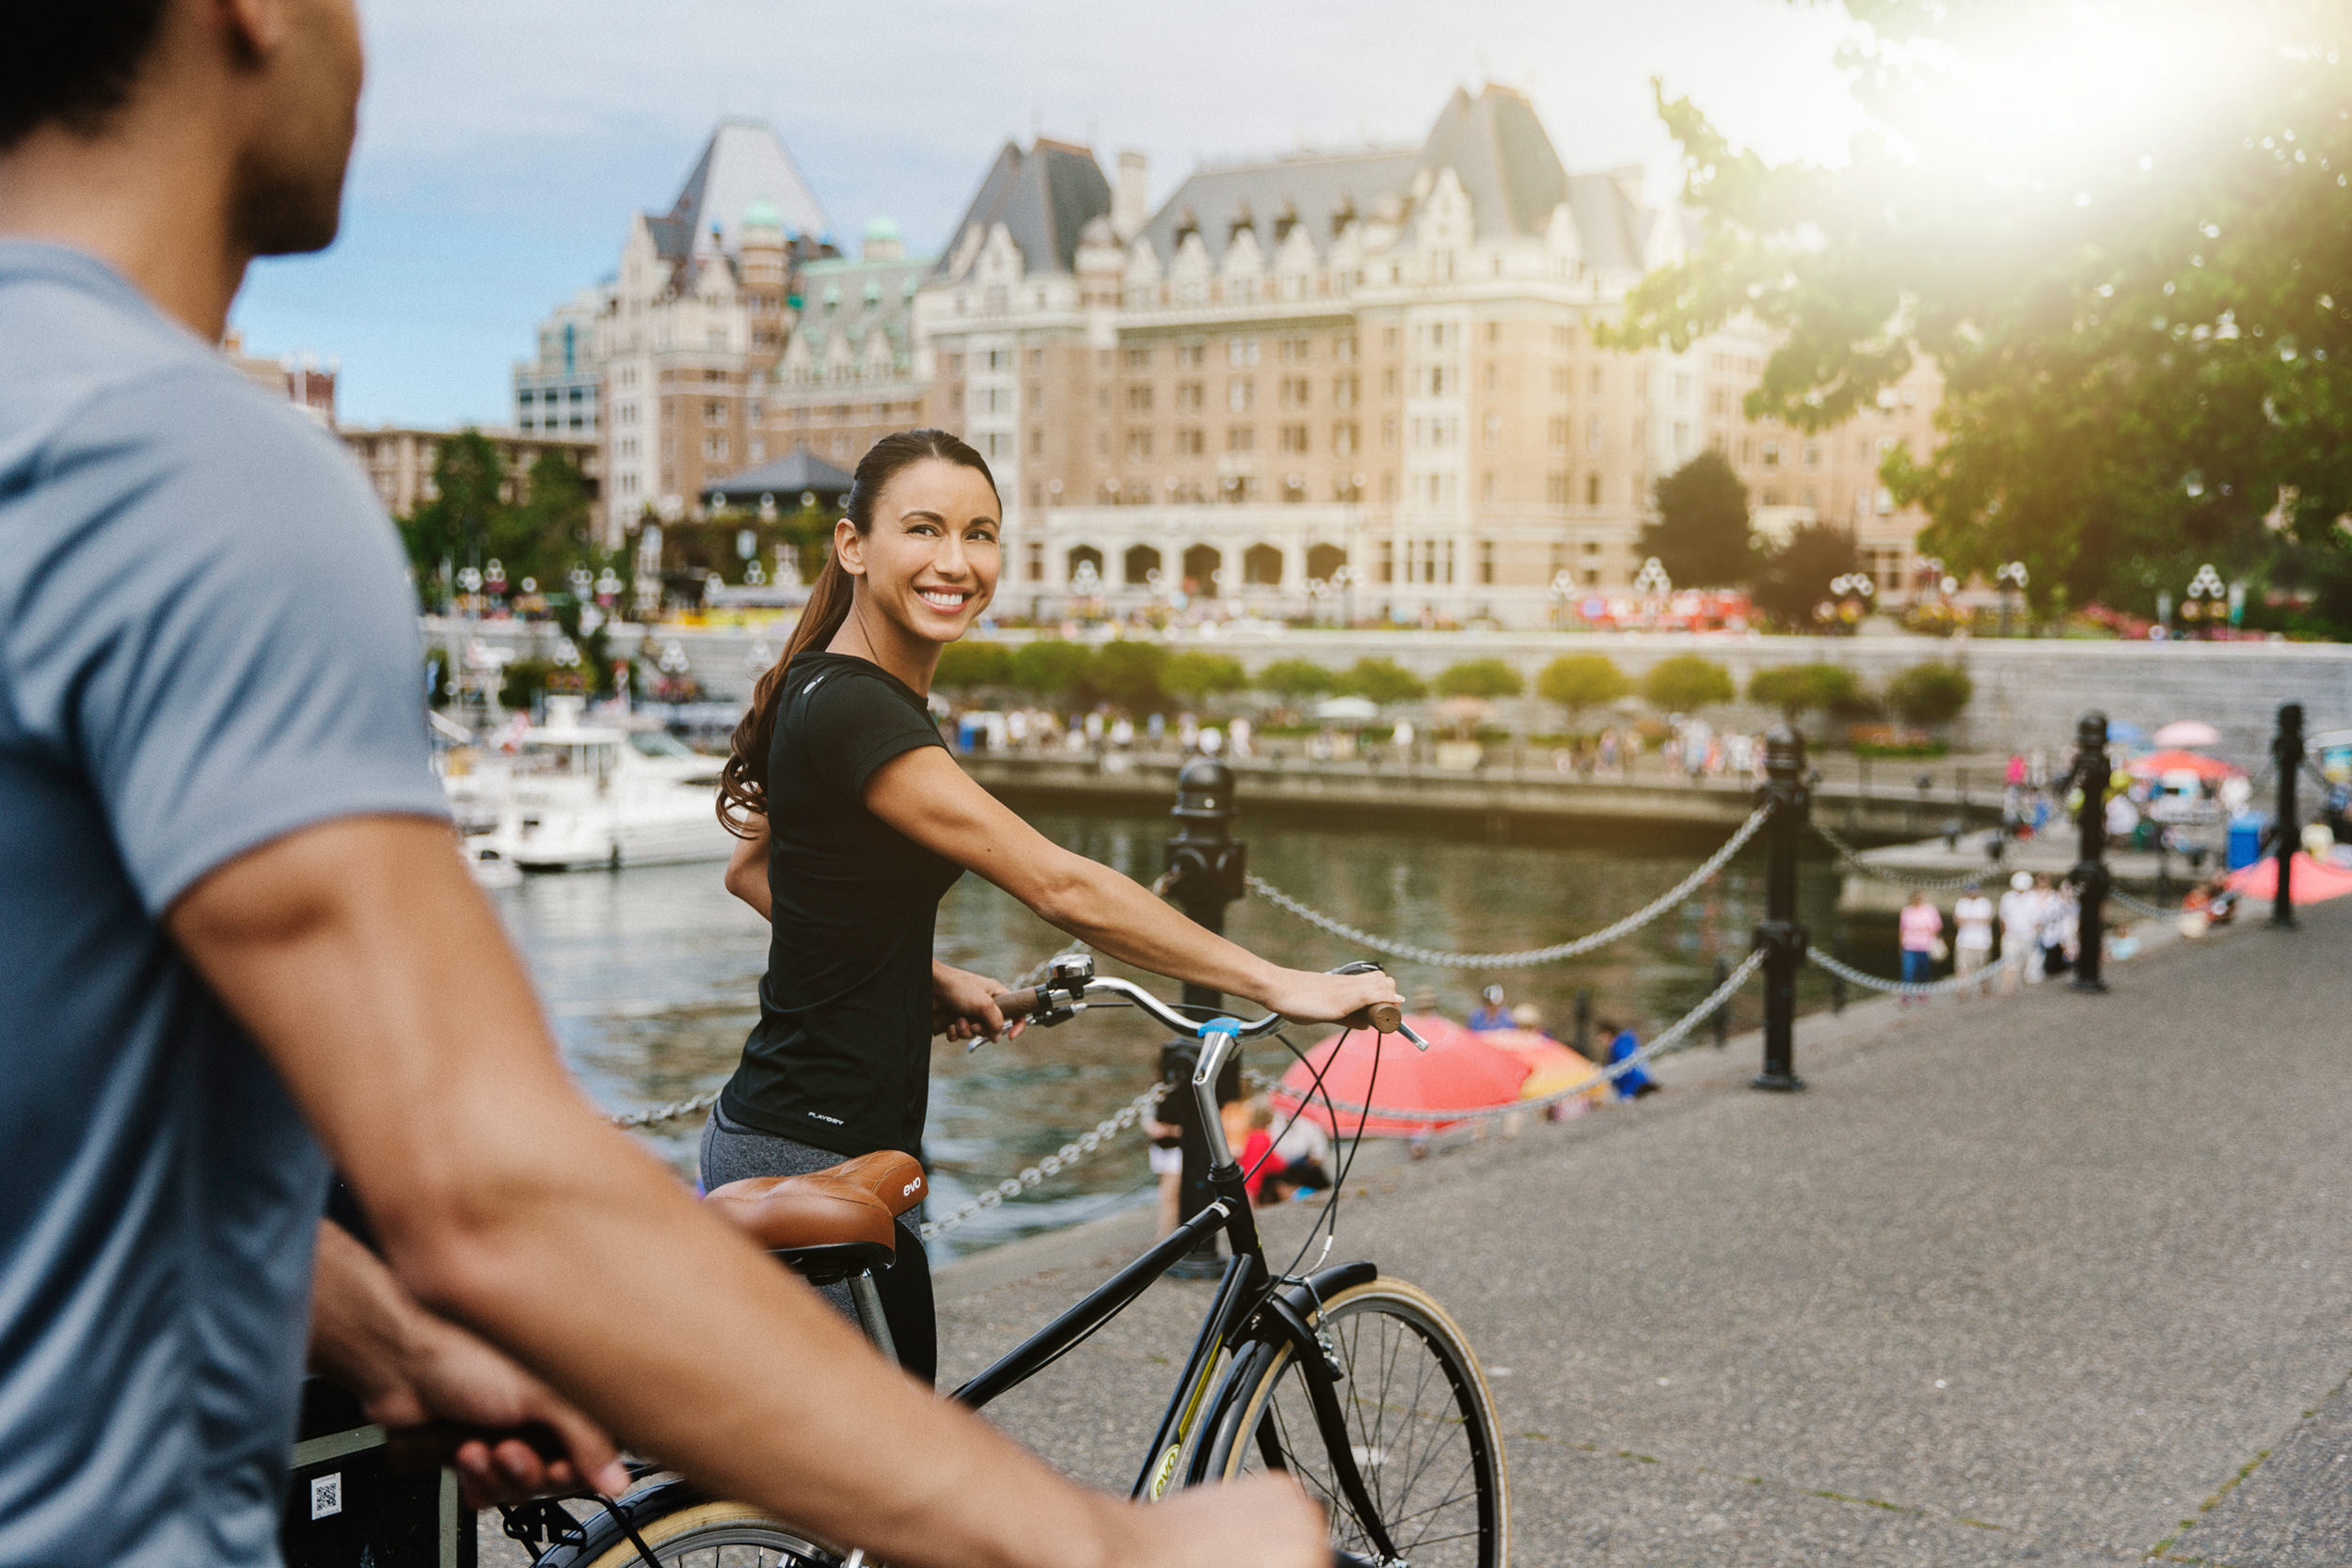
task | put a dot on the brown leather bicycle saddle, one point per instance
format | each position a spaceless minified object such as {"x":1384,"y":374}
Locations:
{"x":855,"y":1203}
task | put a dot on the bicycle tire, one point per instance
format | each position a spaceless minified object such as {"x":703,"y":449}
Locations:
{"x":688,"y":1530}
{"x":1394,"y":1339}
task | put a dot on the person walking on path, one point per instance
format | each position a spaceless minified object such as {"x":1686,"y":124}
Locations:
{"x":2021,"y":933}
{"x":1921,"y":927}
{"x":239,"y":941}
{"x":1490,"y":1013}
{"x":1972,"y":935}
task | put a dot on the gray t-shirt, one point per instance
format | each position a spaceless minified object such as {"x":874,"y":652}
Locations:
{"x":206,"y":641}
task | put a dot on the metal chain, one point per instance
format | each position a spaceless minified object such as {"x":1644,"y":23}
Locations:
{"x":1665,"y":1044}
{"x":1053,"y":1165}
{"x":670,"y":1112}
{"x":1531,"y":956}
{"x":1905,"y":987}
{"x":1852,"y":857}
{"x":2142,"y":906}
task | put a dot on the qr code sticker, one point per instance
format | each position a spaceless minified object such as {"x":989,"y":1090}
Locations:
{"x":326,"y":1495}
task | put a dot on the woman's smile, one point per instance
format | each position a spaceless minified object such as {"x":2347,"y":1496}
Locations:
{"x":947,"y":601}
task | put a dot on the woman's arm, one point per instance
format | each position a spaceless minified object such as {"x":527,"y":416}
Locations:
{"x":747,"y":869}
{"x":927,"y":797}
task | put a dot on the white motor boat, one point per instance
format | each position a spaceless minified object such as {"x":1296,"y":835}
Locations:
{"x":574,"y":796}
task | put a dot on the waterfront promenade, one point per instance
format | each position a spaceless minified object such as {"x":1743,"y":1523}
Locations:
{"x":2056,"y":1278}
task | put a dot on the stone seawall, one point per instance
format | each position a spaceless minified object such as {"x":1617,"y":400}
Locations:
{"x":2030,"y":692}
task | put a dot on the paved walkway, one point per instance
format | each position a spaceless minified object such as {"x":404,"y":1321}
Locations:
{"x":2061,"y":1278}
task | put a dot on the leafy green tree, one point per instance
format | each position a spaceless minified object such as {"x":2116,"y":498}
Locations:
{"x":1686,"y":683}
{"x":2143,"y":353}
{"x":963,"y":666}
{"x":1930,"y":693}
{"x":1795,"y":577}
{"x":1193,"y":676}
{"x":1051,"y":668}
{"x":1131,"y":673}
{"x":552,"y":533}
{"x":1480,"y":677}
{"x":1580,"y":681}
{"x":466,"y":519}
{"x":1799,"y":688}
{"x":1701,"y":537}
{"x":1383,"y":681}
{"x":1292,"y":679}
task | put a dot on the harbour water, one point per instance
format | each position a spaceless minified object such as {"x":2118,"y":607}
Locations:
{"x":650,"y":975}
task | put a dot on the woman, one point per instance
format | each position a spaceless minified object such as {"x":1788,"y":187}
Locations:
{"x":855,"y":820}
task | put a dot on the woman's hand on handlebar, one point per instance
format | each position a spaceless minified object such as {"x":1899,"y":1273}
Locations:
{"x":1311,"y":998}
{"x":963,"y":1004}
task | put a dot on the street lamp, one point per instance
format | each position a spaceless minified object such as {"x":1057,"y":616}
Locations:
{"x":1855,"y":591}
{"x":2011,"y":578}
{"x":2205,"y":586}
{"x":1561,"y":589}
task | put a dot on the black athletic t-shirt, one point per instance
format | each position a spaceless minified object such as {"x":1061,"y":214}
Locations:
{"x":841,"y":1055}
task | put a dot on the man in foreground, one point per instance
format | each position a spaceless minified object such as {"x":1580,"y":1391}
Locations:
{"x":229,"y":908}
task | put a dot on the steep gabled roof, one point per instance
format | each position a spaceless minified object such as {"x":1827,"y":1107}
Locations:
{"x":743,"y":161}
{"x":785,"y":478}
{"x":1044,"y":198}
{"x":1315,"y":191}
{"x":1496,"y":147}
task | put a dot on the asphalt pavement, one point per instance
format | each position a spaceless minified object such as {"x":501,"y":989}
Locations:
{"x":2061,"y":1278}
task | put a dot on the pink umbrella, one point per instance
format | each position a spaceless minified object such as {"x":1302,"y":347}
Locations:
{"x":1459,"y":1072}
{"x":2158,"y":763}
{"x":2187,"y":732}
{"x":2308,"y":881}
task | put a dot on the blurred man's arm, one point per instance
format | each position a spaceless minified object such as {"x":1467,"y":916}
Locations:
{"x":377,"y":978}
{"x":409,"y":1367}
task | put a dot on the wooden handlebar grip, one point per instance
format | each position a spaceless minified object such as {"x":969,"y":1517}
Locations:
{"x":1018,"y":1004}
{"x":1385,"y":1016}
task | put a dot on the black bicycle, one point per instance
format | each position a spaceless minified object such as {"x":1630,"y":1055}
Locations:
{"x":1360,"y":1386}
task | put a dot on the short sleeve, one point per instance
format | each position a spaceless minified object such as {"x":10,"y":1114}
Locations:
{"x":855,"y":722}
{"x":214,"y":626}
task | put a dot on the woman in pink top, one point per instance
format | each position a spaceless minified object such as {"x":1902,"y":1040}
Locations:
{"x":1922,"y":926}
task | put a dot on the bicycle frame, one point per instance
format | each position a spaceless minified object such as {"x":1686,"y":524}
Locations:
{"x":1248,"y":1304}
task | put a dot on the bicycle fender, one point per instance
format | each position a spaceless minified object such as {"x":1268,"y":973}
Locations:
{"x":1287,"y":1309}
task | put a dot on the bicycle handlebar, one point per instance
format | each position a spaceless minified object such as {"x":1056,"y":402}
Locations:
{"x":1385,"y":1017}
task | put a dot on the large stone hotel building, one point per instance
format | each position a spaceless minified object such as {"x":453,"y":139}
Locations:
{"x":1363,"y":383}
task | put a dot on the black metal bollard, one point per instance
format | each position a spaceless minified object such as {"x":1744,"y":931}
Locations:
{"x":1779,"y":934}
{"x":1582,"y":1038}
{"x":1206,"y":866}
{"x":2286,"y":748}
{"x":2092,"y":774}
{"x":1722,"y":1020}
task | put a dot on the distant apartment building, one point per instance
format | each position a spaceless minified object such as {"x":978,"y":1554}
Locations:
{"x":560,"y":392}
{"x":398,"y":461}
{"x":302,"y":379}
{"x":1370,"y":375}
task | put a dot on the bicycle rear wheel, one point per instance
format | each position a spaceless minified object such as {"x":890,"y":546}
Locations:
{"x":1421,"y":1421}
{"x":686,"y":1529}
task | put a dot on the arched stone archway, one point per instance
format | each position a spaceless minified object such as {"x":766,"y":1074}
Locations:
{"x":1324,"y":560}
{"x":1261,"y":566}
{"x":1201,"y":565}
{"x":1081,"y":556}
{"x":1141,"y":562}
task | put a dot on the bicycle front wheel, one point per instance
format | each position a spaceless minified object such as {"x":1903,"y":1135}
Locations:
{"x":1420,"y":1424}
{"x":685,"y":1529}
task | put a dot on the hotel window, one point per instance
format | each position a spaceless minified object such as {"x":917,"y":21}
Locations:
{"x":1486,"y":492}
{"x":1037,"y":561}
{"x":1240,"y":352}
{"x":1139,"y":400}
{"x":1139,"y":359}
{"x":1344,"y":441}
{"x":1592,"y":490}
{"x":1487,"y":558}
{"x":1555,"y":489}
{"x":1342,"y":391}
{"x":1342,"y":351}
{"x":1298,"y":351}
{"x":1037,"y":355}
{"x":1241,"y":437}
{"x":1138,"y":443}
{"x":715,"y":446}
{"x":1296,"y":392}
{"x":1387,"y":433}
{"x":1294,"y":437}
{"x":1813,"y":456}
{"x":1772,"y":454}
{"x":1387,"y":381}
{"x":1241,"y":396}
{"x":1557,"y":431}
{"x":1188,"y":397}
{"x":1188,"y":441}
{"x":1036,"y":441}
{"x":714,"y":411}
{"x":1492,"y":431}
{"x":1592,"y":434}
{"x":1599,"y":381}
{"x":1191,"y":356}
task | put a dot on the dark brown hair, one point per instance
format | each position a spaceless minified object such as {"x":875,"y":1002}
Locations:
{"x":73,"y":65}
{"x":743,"y":782}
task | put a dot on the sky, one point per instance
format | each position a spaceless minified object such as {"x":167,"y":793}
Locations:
{"x":502,"y":147}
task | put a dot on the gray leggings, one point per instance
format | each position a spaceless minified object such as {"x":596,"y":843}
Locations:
{"x":732,"y":1152}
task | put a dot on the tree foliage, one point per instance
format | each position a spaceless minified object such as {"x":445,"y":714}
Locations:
{"x":1051,"y":668}
{"x":1701,"y":537}
{"x":471,"y":519}
{"x":1193,"y":676}
{"x":2144,"y":328}
{"x":1383,"y":681}
{"x":1480,"y":677}
{"x":1799,"y":688}
{"x":1294,"y":679}
{"x":1930,"y":693}
{"x":1580,"y":681}
{"x":1795,"y":577}
{"x":1686,"y":683}
{"x":963,"y":666}
{"x":1129,"y":675}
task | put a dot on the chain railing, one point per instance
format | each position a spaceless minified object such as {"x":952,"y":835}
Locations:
{"x":1976,"y":980}
{"x":655,"y":1114}
{"x":1413,"y":953}
{"x":1070,"y":1153}
{"x":1853,"y":859}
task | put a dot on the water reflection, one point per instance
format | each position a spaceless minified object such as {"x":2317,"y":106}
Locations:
{"x":650,"y":975}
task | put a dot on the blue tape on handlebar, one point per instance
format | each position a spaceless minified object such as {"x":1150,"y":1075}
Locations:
{"x":1220,"y":1026}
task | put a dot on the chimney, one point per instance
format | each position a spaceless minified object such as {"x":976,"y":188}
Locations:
{"x":1130,"y":199}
